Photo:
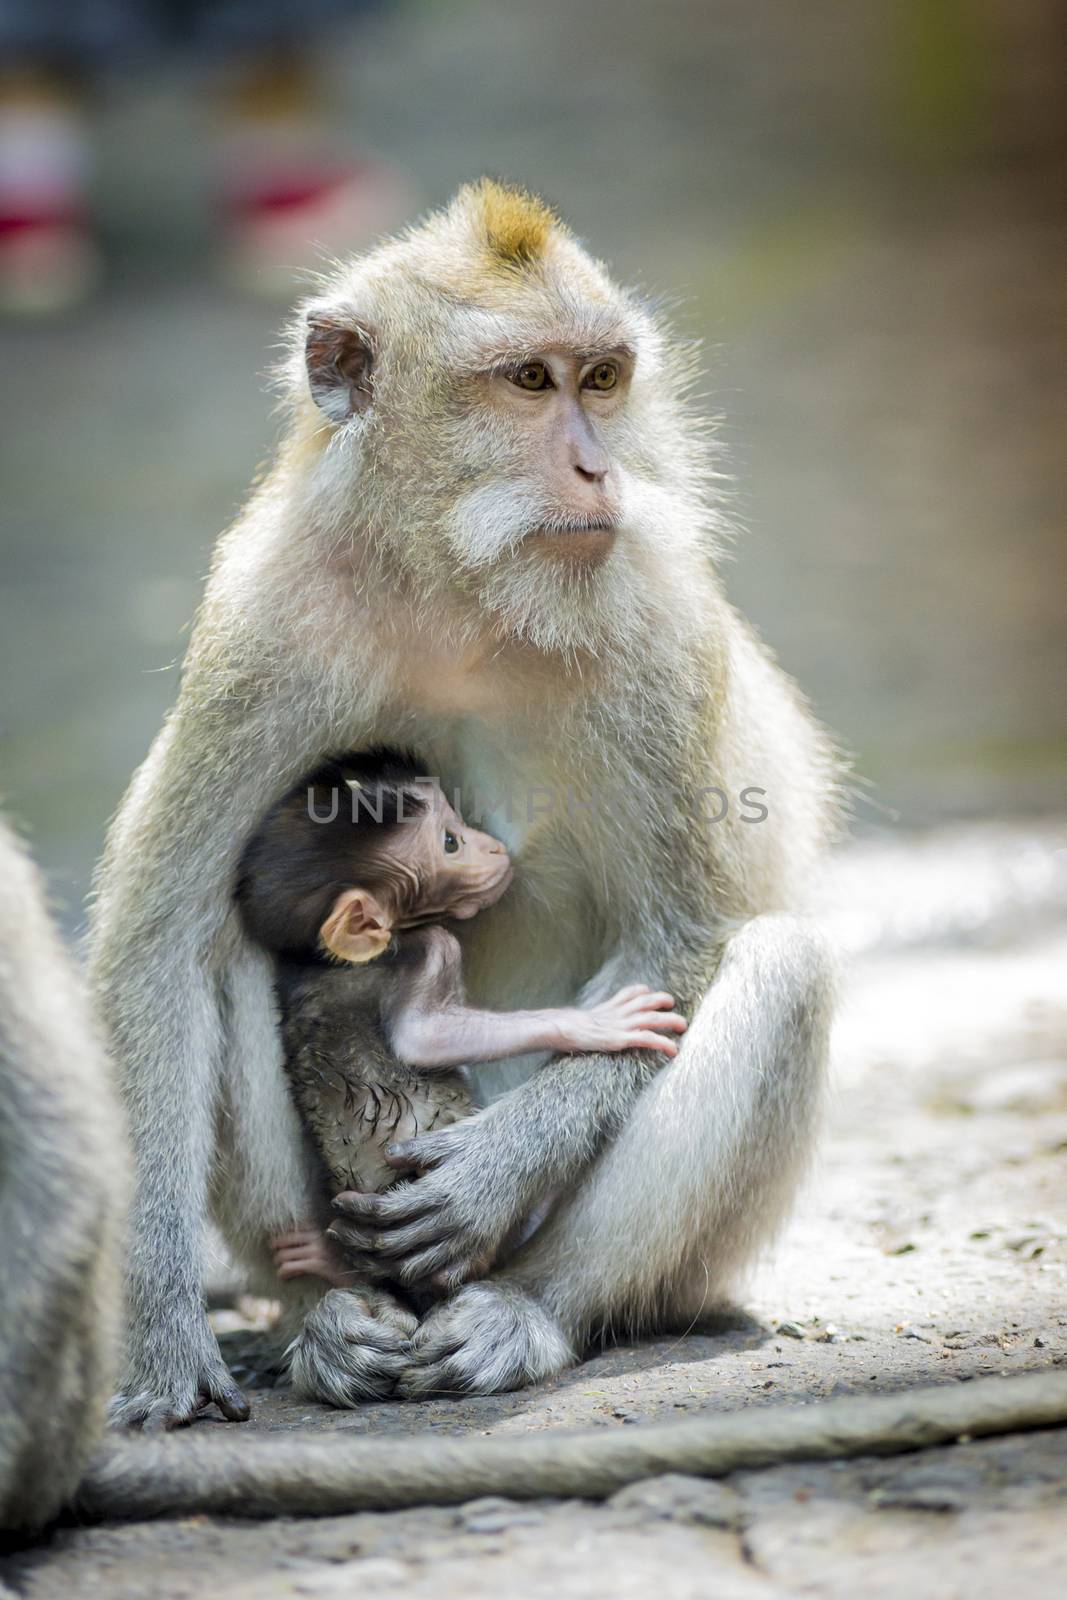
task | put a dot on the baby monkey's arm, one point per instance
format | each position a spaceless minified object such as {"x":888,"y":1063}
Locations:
{"x":430,"y":1025}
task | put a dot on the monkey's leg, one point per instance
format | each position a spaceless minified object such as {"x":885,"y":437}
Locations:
{"x":698,"y":1178}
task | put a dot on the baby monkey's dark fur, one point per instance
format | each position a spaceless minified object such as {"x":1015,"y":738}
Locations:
{"x":325,"y":836}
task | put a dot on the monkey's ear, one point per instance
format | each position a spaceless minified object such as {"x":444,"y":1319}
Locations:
{"x":340,"y":362}
{"x":358,"y":927}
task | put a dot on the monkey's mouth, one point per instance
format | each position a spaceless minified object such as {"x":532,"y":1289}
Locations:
{"x":577,"y":537}
{"x":564,"y":526}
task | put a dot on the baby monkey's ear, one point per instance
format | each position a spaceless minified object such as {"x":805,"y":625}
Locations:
{"x":340,"y":365}
{"x":358,"y":927}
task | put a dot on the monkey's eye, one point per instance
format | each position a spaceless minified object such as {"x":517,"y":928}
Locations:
{"x":605,"y":375}
{"x":451,"y":843}
{"x":531,"y":375}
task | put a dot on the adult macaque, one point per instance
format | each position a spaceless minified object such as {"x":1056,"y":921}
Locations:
{"x":63,"y":1175}
{"x":487,"y":537}
{"x":344,"y":883}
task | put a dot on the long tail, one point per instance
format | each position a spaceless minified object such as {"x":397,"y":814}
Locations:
{"x":265,"y":1476}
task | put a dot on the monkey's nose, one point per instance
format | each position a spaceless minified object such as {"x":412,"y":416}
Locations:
{"x":590,"y":474}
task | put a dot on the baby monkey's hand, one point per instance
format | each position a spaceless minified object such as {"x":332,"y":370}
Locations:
{"x":636,"y":1018}
{"x":307,"y":1253}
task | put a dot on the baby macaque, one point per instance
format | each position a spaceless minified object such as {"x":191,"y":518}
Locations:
{"x":347,"y":884}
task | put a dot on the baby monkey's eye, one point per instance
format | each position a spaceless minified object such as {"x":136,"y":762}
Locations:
{"x":451,"y":843}
{"x":531,"y":375}
{"x":605,"y":375}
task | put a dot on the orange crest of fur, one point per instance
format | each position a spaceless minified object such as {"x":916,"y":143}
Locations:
{"x":516,"y":224}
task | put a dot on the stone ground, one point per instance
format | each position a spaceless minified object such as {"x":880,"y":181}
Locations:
{"x":930,"y":1246}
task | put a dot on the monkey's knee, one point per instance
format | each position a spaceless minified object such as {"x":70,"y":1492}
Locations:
{"x":807,"y":988}
{"x":788,"y":952}
{"x":774,"y":994}
{"x":353,"y":1347}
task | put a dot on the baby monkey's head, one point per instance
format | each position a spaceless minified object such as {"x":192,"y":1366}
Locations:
{"x":365,"y":846}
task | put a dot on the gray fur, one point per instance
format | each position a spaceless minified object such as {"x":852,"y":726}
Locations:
{"x":377,"y":590}
{"x":63,"y":1171}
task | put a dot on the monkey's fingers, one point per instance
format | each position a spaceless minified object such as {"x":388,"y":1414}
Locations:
{"x":219,"y":1387}
{"x":362,"y":1254}
{"x":426,"y":1265}
{"x":649,"y":1001}
{"x":166,"y":1417}
{"x":435,"y":1368}
{"x":287,"y":1252}
{"x":153,"y":1413}
{"x":389,"y":1210}
{"x":672,"y":1020}
{"x":365,"y":1268}
{"x":413,"y":1266}
{"x":379,"y":1336}
{"x":297,"y":1236}
{"x":652,"y":1041}
{"x":460,"y":1273}
{"x":391,"y":1243}
{"x":421,"y":1154}
{"x":301,"y":1267}
{"x":160,"y":1413}
{"x":436,"y":1339}
{"x":352,"y":1236}
{"x":354,"y":1241}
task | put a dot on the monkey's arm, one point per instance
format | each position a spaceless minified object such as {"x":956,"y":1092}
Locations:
{"x":436,"y":1039}
{"x":430,"y":1026}
{"x":481,"y":1176}
{"x":157,"y":998}
{"x":433,"y":1040}
{"x":163,"y":974}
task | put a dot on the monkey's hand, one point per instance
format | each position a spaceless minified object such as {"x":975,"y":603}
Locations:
{"x":167,"y":1394}
{"x":635,"y":1018}
{"x":445,"y":1227}
{"x":307,"y":1253}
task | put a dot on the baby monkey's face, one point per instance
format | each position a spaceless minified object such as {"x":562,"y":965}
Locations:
{"x":433,"y":866}
{"x":460,"y":870}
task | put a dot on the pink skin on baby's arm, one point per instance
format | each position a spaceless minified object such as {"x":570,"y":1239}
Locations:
{"x":430,"y":1028}
{"x":307,"y":1253}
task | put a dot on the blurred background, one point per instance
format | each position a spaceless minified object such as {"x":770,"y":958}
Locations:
{"x":857,"y":207}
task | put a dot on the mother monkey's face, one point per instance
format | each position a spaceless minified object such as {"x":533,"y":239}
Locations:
{"x":500,"y":419}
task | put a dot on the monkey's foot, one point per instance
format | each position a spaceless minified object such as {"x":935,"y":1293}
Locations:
{"x":150,"y":1409}
{"x":490,"y":1337}
{"x":353,"y":1346}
